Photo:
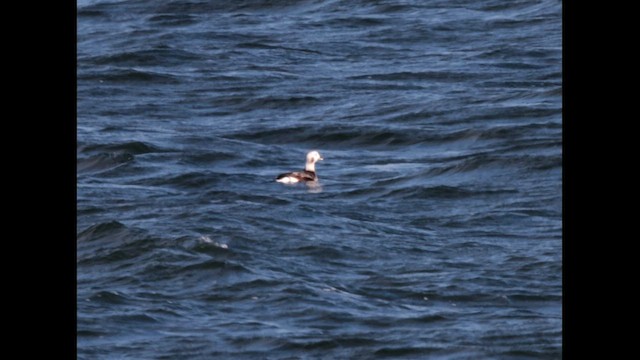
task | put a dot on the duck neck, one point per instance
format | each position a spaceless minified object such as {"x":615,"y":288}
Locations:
{"x":311,"y":166}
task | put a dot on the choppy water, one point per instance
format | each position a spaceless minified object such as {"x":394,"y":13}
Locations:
{"x":435,"y":231}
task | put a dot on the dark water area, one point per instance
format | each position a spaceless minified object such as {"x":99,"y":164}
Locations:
{"x":435,"y":230}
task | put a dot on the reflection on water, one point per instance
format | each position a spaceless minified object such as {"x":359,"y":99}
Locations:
{"x":314,"y":186}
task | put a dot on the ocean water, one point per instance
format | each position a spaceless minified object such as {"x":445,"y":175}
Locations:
{"x":435,"y":231}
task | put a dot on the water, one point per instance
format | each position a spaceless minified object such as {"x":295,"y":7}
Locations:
{"x":435,"y":229}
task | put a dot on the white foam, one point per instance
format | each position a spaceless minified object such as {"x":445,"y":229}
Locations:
{"x":207,"y":240}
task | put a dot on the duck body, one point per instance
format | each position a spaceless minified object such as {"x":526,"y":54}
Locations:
{"x":309,"y":173}
{"x":297,"y":176}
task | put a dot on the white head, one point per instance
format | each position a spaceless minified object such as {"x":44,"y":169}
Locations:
{"x":312,"y":158}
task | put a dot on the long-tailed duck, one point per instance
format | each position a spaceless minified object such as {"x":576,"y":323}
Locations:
{"x":309,"y":173}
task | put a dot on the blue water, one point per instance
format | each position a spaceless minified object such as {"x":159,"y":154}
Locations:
{"x":435,"y":228}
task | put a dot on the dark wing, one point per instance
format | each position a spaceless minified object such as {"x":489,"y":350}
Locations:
{"x":300,"y":175}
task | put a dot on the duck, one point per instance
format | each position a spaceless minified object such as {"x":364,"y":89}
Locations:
{"x":309,"y":173}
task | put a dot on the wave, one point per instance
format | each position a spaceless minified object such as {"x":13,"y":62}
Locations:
{"x":446,"y":192}
{"x":411,"y":351}
{"x":385,"y":136}
{"x":182,"y":7}
{"x":423,"y":76}
{"x":130,"y":76}
{"x":277,"y":102}
{"x":323,"y":345}
{"x":245,"y":103}
{"x":495,"y":160}
{"x":102,"y":157}
{"x":191,"y":180}
{"x":109,"y":297}
{"x":261,"y":45}
{"x":117,"y":246}
{"x":353,"y":22}
{"x":110,"y":243}
{"x":101,"y":162}
{"x":207,"y":157}
{"x":131,"y":147}
{"x":159,"y":54}
{"x":101,"y":231}
{"x":340,"y":136}
{"x":173,"y":19}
